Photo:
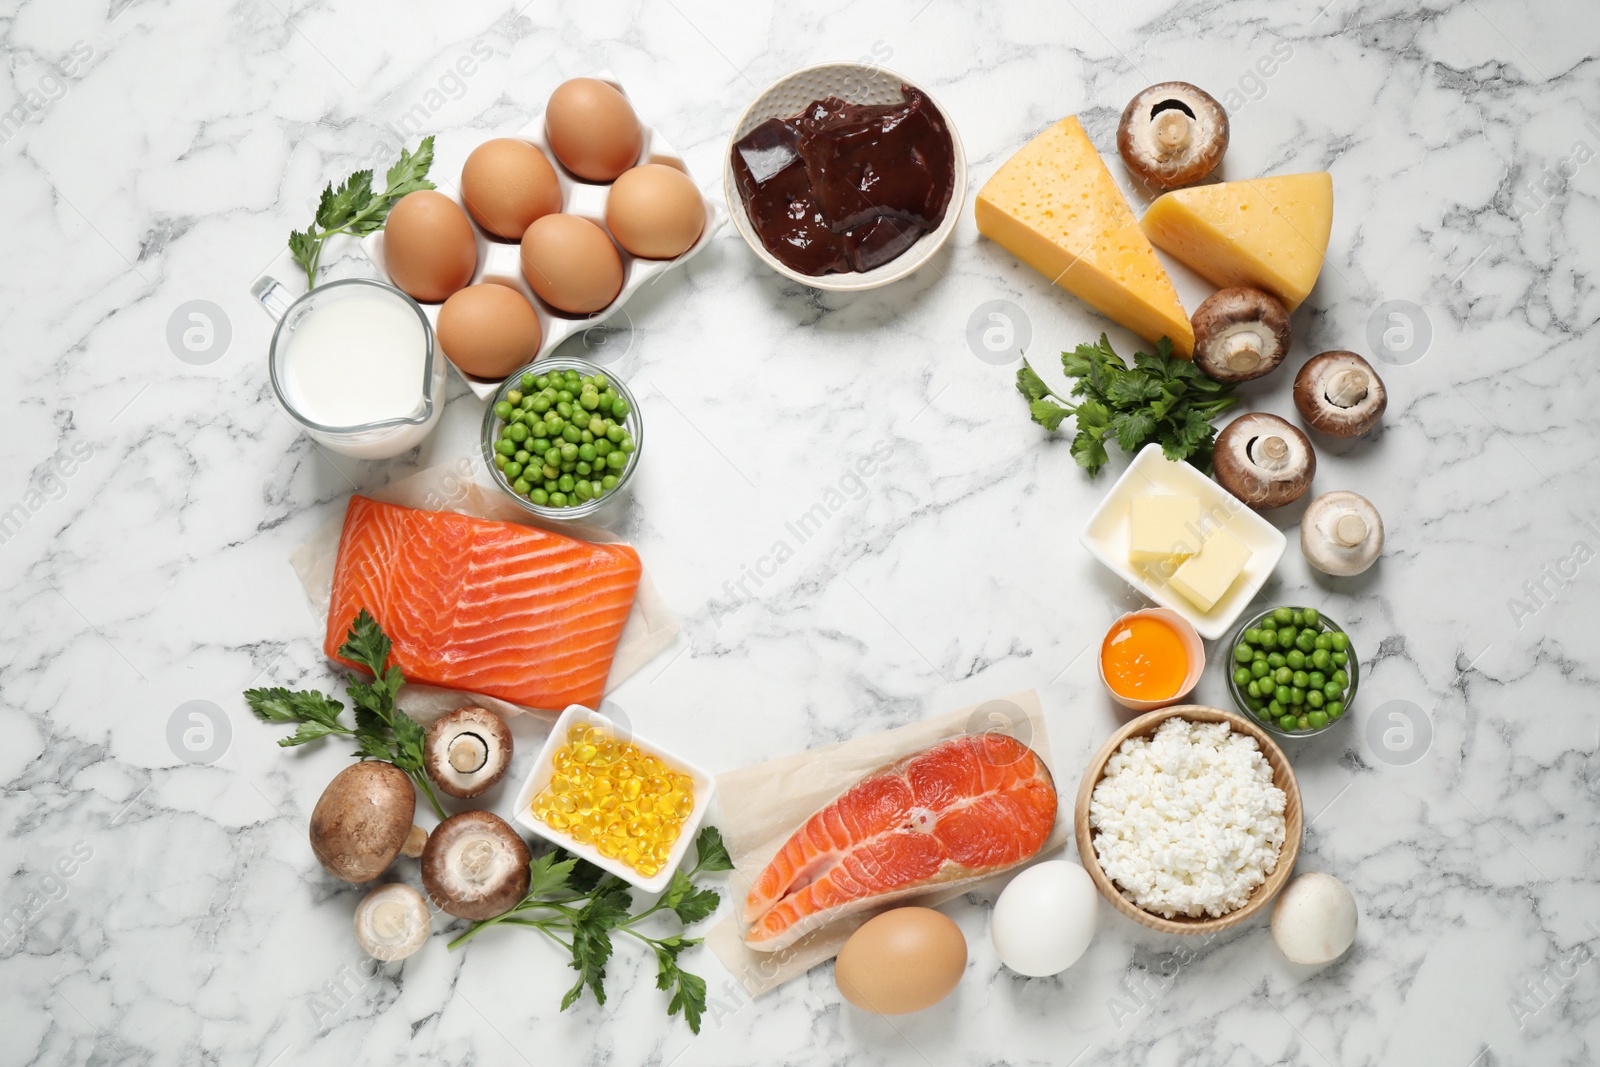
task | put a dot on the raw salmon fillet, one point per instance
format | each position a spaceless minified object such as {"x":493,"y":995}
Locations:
{"x":491,"y":607}
{"x":960,"y":811}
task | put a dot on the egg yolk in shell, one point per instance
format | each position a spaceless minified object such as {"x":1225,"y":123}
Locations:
{"x":1143,"y":659}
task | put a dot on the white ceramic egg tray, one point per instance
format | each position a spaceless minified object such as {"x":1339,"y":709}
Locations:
{"x":500,"y":260}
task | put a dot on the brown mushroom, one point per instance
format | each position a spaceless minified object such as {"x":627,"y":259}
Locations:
{"x":362,"y":821}
{"x":392,"y":922}
{"x":1264,"y":461}
{"x":1341,"y":533}
{"x":1239,"y":334}
{"x":1172,"y":134}
{"x":1339,"y":394}
{"x":475,"y":865}
{"x":467,"y":750}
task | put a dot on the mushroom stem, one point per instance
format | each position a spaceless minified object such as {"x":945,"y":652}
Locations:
{"x":1172,"y":132}
{"x":416,"y":840}
{"x":1244,"y":352}
{"x":1350,"y":530}
{"x":1269,"y":452}
{"x":468,"y":752}
{"x":1347,"y":388}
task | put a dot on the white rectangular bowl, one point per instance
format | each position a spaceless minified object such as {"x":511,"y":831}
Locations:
{"x":544,"y":769}
{"x":500,"y":260}
{"x":1152,"y":474}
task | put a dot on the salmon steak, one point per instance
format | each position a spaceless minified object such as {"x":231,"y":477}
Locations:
{"x":955,"y":813}
{"x":498,"y":608}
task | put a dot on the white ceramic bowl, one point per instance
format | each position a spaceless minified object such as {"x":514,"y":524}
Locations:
{"x":1151,"y":473}
{"x":500,"y":260}
{"x":1194,"y":649}
{"x":544,"y":770}
{"x":858,"y":83}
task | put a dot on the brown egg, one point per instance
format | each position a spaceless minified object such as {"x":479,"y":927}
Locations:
{"x":488,"y":330}
{"x":655,"y":211}
{"x":428,"y":246}
{"x":592,"y":129}
{"x":508,"y":183}
{"x":901,"y":961}
{"x":571,"y":264}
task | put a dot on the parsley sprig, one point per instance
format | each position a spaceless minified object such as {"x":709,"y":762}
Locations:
{"x":382,"y":731}
{"x":355,"y":209}
{"x":579,"y":906}
{"x":1160,"y":398}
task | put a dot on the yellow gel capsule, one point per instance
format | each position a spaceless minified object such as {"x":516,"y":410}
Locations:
{"x":608,"y":848}
{"x":579,"y":732}
{"x":584,"y":753}
{"x":631,"y":789}
{"x":666,"y":807}
{"x":656,"y":786}
{"x":601,"y":787}
{"x":608,"y":804}
{"x":648,"y":868}
{"x":580,"y":833}
{"x":561,"y":784}
{"x":558,"y":820}
{"x":565,"y":804}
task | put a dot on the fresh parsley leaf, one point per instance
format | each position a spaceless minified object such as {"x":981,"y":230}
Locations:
{"x":1131,"y":428}
{"x":286,"y":705}
{"x":689,"y":997}
{"x":353,"y":208}
{"x":366,"y":644}
{"x":373,"y":744}
{"x":1090,"y":452}
{"x":1029,"y":384}
{"x":1048,"y":414}
{"x":408,"y":743}
{"x":307,"y":731}
{"x":711,"y":854}
{"x":549,"y":873}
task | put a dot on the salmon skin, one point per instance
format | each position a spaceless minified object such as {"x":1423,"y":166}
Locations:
{"x":955,"y":813}
{"x":499,"y":608}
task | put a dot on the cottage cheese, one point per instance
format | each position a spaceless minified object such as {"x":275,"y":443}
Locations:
{"x":1188,"y":822}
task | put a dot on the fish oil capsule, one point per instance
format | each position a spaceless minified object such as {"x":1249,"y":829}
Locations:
{"x":622,"y":770}
{"x":580,"y":833}
{"x":602,"y":787}
{"x":648,"y":868}
{"x":558,"y":820}
{"x":585,"y":753}
{"x":631,"y":789}
{"x":579,"y":732}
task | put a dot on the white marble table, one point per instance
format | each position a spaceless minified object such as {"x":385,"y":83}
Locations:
{"x":162,"y":909}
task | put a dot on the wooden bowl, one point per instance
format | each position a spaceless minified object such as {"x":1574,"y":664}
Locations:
{"x":1282,"y":777}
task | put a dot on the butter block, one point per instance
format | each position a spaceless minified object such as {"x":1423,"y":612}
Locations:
{"x":1266,"y":233}
{"x":1162,"y":527}
{"x":1204,"y":577}
{"x":1054,"y":206}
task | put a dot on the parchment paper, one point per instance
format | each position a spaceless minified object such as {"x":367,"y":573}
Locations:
{"x":651,"y":626}
{"x":763,"y":804}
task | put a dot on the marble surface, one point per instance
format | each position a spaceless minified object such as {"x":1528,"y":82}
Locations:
{"x":163,"y":909}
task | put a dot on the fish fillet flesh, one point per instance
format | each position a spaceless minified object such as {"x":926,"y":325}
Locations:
{"x":958,"y":812}
{"x":490,"y":607}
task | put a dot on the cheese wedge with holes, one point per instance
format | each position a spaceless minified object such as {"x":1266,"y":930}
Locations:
{"x":1054,"y":206}
{"x":1267,"y":233}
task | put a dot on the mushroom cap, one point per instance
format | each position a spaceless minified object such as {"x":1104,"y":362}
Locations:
{"x":467,"y":750}
{"x":1172,"y":134}
{"x":475,"y":865}
{"x":1240,"y":333}
{"x":1264,"y":461}
{"x":1339,"y":394}
{"x":392,"y":922}
{"x":1341,"y":533}
{"x":362,"y":820}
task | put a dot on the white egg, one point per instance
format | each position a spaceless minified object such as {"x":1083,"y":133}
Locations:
{"x":1314,"y":921}
{"x":1045,"y":919}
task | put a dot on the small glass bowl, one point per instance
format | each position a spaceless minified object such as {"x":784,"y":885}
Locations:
{"x":634,"y":424}
{"x":1353,"y":669}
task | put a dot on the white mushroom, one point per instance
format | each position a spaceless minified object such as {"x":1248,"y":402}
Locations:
{"x":1264,"y":461}
{"x":392,"y":922}
{"x":467,"y":750}
{"x":1172,"y":134}
{"x":1240,"y":333}
{"x":475,"y":865}
{"x":1341,"y":533}
{"x":1314,"y":921}
{"x":362,"y":821}
{"x":1339,"y":394}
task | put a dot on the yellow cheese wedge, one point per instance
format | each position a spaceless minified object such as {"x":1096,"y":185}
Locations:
{"x":1161,"y":527}
{"x":1267,"y":233}
{"x":1054,"y":206}
{"x":1205,"y":576}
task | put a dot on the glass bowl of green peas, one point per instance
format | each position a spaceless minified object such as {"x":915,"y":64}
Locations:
{"x":1293,"y":670}
{"x":562,"y":437}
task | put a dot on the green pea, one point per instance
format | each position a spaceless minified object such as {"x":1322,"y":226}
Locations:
{"x":620,"y":409}
{"x":585,"y":437}
{"x":502,"y":410}
{"x":527,"y":403}
{"x":1275,"y":708}
{"x":1242,"y":654}
{"x":521,"y":456}
{"x":549,"y":470}
{"x":1324,"y":642}
{"x":590,"y":401}
{"x":1276,"y":660}
{"x":585,"y":491}
{"x":500,"y":461}
{"x":565,"y":483}
{"x":558,"y":500}
{"x":583,"y":469}
{"x":539,"y":496}
{"x":1332,"y":691}
{"x":1316,"y":680}
{"x":1297,"y":697}
{"x":521,"y":487}
{"x":549,"y":485}
{"x":1268,"y":623}
{"x":564,"y":395}
{"x":1269,"y":639}
{"x":602,"y":447}
{"x":1281,"y":695}
{"x":1315,"y":698}
{"x":1339,"y":678}
{"x":1317,"y":719}
{"x":529,"y":380}
{"x":1251,"y":688}
{"x":569,"y":452}
{"x":564,"y":409}
{"x":1340,"y":658}
{"x":1320,"y":659}
{"x":1252,"y":636}
{"x":505,"y":446}
{"x":1301,"y":679}
{"x":586,"y":453}
{"x":1313,"y":617}
{"x":1297,"y":617}
{"x":1287,"y":722}
{"x":1259,"y":668}
{"x":1295,"y":658}
{"x":1335,"y":708}
{"x":1283,"y":676}
{"x":513,"y":469}
{"x":608,"y":482}
{"x":1341,"y":642}
{"x":552,"y":454}
{"x":1286,"y":636}
{"x":616,"y":461}
{"x":1305,"y":642}
{"x":514,"y":397}
{"x":1303,"y":722}
{"x":1283,"y":615}
{"x":541,"y":404}
{"x":569,"y":466}
{"x":517,"y":432}
{"x":542,"y":381}
{"x":553,"y":422}
{"x":1258,"y":655}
